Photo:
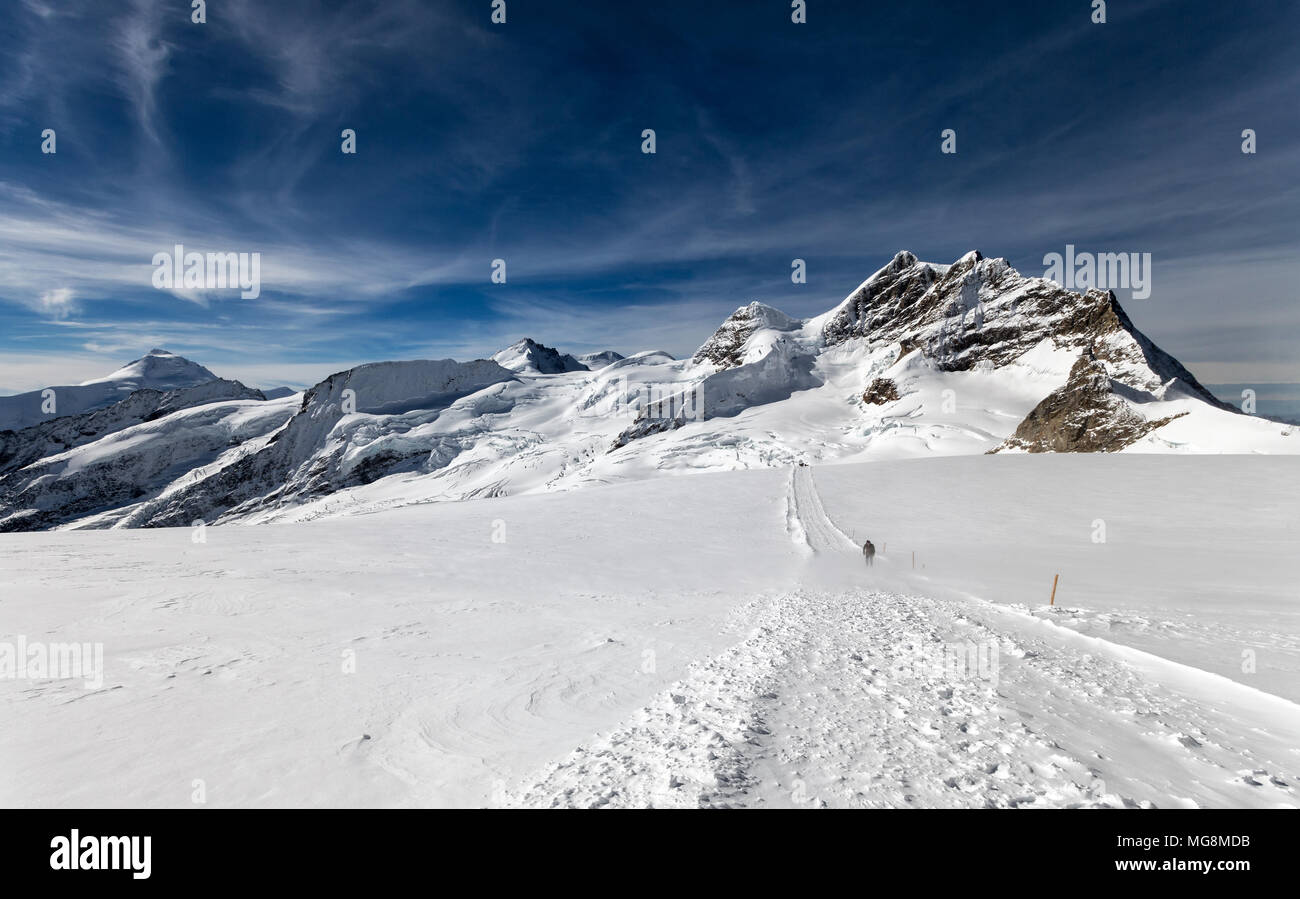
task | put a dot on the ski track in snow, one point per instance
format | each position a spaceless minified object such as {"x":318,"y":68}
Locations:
{"x":834,"y":700}
{"x":820,"y":533}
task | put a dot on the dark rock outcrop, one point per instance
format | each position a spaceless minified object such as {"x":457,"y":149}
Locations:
{"x":1082,"y":416}
{"x":880,"y":391}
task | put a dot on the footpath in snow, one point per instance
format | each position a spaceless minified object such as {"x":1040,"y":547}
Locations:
{"x":851,"y":692}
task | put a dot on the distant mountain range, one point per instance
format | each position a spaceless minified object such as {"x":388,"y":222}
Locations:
{"x":920,"y":359}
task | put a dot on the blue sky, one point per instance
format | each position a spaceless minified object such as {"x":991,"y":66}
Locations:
{"x":522,"y":141}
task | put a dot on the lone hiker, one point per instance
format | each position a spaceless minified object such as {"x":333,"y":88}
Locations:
{"x":869,"y":552}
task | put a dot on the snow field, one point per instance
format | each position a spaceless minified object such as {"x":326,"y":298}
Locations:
{"x":706,"y":640}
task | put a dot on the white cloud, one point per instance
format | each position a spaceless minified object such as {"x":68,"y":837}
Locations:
{"x":142,"y":57}
{"x":58,"y":303}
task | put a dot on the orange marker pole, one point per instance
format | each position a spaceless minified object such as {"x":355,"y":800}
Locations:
{"x":1052,"y":602}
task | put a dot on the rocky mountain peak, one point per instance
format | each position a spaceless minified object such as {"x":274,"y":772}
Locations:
{"x":529,"y":356}
{"x":725,"y":348}
{"x":982,"y":311}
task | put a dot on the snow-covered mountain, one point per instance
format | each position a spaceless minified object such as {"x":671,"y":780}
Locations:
{"x":21,"y":448}
{"x":731,"y":344}
{"x":528,"y":355}
{"x":351,"y":429}
{"x":921,"y":359}
{"x":157,"y":370}
{"x":597,"y":361}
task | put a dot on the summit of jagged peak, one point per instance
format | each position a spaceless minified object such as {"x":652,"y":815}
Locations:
{"x":902,"y":259}
{"x":767,"y":316}
{"x":726,"y":347}
{"x":981,"y":311}
{"x":892,"y":292}
{"x":972,"y":310}
{"x":530,"y":357}
{"x":903,"y":263}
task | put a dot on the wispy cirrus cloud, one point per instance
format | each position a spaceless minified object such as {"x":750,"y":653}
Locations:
{"x":142,"y":56}
{"x":523,"y":143}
